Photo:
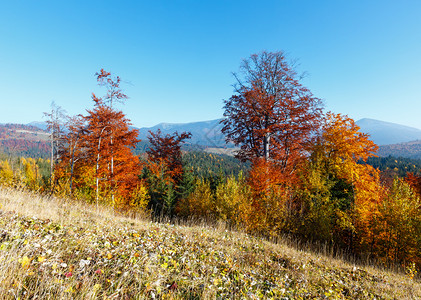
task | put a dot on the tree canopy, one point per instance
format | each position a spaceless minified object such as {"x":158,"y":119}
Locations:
{"x":271,"y":115}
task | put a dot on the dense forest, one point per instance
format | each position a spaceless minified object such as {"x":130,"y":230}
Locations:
{"x":298,"y":171}
{"x":395,"y":166}
{"x":205,"y":165}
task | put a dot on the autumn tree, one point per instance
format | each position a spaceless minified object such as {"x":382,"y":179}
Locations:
{"x":200,"y":203}
{"x":272,"y":115}
{"x":414,"y":181}
{"x":71,"y":153}
{"x":56,"y":123}
{"x":114,"y":92}
{"x":340,"y":143}
{"x":167,"y":149}
{"x":166,"y":168}
{"x":31,"y":173}
{"x":99,"y":156}
{"x":273,"y":118}
{"x":339,"y":194}
{"x":6,"y":173}
{"x":109,"y":143}
{"x":398,"y":234}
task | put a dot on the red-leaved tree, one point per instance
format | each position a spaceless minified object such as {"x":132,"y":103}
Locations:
{"x":271,"y":116}
{"x":109,"y":144}
{"x":166,"y":169}
{"x":98,"y":159}
{"x":165,"y":152}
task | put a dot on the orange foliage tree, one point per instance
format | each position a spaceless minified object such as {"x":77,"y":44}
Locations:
{"x":98,"y":156}
{"x":109,"y":145}
{"x":414,"y":181}
{"x":347,"y":191}
{"x":269,"y":199}
{"x":341,"y":142}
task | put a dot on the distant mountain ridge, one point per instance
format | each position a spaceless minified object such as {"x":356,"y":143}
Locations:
{"x":39,"y":124}
{"x":386,"y":133}
{"x":408,"y":150}
{"x":204,"y":133}
{"x":393,"y":139}
{"x":208,"y":133}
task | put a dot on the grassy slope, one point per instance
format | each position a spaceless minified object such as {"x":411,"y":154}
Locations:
{"x":60,"y":249}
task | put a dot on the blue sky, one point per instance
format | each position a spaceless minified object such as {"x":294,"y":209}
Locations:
{"x":363,"y":58}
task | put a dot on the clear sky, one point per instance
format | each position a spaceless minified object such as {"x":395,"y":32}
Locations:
{"x":363,"y":58}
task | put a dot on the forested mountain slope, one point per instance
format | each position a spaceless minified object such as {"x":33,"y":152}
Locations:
{"x":24,"y":140}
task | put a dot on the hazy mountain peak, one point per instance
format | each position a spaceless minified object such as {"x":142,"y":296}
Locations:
{"x":205,"y":133}
{"x":385,"y":133}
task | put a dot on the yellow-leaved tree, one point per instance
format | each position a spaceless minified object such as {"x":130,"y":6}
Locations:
{"x":350,"y":192}
{"x":6,"y":173}
{"x":398,"y":232}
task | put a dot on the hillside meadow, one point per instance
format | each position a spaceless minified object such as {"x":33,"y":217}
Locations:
{"x":53,"y":248}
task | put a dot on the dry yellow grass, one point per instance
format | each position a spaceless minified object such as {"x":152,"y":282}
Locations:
{"x":61,"y":249}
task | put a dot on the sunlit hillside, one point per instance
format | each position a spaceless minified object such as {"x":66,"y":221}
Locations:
{"x":59,"y":249}
{"x":24,"y":140}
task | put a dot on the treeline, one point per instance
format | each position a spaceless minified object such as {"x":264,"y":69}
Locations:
{"x":409,"y":149}
{"x":392,"y":167}
{"x":25,"y":148}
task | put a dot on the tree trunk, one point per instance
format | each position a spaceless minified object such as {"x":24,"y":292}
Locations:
{"x":266,"y":144}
